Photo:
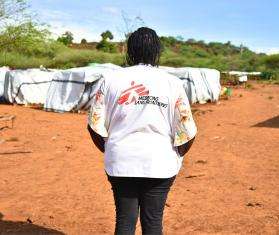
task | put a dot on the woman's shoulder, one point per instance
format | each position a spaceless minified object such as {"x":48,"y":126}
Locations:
{"x":146,"y":71}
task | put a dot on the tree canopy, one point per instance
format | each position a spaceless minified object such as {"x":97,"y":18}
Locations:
{"x":13,"y":11}
{"x":107,"y":35}
{"x":66,"y":38}
{"x":83,"y":41}
{"x":105,"y":45}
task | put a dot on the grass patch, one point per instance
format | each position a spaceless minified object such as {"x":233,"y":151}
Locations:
{"x":67,"y":58}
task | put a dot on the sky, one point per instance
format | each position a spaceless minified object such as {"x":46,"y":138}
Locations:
{"x":253,"y":23}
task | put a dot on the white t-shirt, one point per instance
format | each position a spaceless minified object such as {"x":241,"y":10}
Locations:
{"x":143,"y":113}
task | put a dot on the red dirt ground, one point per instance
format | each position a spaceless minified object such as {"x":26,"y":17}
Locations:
{"x":52,"y":179}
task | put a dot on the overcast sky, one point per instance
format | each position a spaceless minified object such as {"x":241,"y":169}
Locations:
{"x":254,"y":23}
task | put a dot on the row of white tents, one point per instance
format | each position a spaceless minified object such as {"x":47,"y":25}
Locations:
{"x":243,"y":76}
{"x":73,"y":89}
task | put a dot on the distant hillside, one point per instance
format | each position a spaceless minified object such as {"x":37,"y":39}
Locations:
{"x":29,"y":43}
{"x":222,"y":56}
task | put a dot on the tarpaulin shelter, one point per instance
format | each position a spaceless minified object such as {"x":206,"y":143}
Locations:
{"x":27,"y":86}
{"x":73,"y":89}
{"x":3,"y":71}
{"x":201,"y":84}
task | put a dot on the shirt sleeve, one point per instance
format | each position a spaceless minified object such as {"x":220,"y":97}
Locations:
{"x":184,"y":127}
{"x":97,"y":113}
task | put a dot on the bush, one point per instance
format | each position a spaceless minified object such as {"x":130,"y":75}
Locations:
{"x":201,"y":53}
{"x":66,"y":38}
{"x":106,"y":46}
{"x":268,"y":75}
{"x":272,"y":62}
{"x":173,"y":61}
{"x":29,"y":39}
{"x":168,"y":41}
{"x":66,"y":58}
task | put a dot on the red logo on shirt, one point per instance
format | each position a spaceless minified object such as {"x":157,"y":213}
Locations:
{"x":132,"y":94}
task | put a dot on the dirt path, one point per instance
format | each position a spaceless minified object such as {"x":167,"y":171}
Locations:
{"x":52,"y":178}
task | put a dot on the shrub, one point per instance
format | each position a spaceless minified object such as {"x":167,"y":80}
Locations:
{"x":66,"y":38}
{"x":268,"y":75}
{"x":29,"y":39}
{"x":83,"y":41}
{"x":272,"y":62}
{"x":106,"y":46}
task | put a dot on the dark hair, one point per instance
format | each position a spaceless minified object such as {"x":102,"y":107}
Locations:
{"x":144,"y":47}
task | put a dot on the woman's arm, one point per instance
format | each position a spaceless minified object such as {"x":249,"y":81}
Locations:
{"x":183,"y":149}
{"x":97,"y":139}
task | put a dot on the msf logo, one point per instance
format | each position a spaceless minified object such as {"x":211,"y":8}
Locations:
{"x":132,"y":94}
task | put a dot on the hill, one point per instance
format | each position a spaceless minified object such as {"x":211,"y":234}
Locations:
{"x":179,"y":53}
{"x":28,"y":45}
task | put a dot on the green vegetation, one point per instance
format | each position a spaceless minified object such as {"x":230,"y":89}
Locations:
{"x":26,"y":44}
{"x":106,"y":46}
{"x":222,"y":56}
{"x":12,"y":9}
{"x":66,"y":38}
{"x":34,"y":47}
{"x":272,"y":61}
{"x":83,"y":41}
{"x":28,"y":39}
{"x":65,"y":58}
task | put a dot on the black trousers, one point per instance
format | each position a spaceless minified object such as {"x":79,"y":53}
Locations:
{"x":144,"y":196}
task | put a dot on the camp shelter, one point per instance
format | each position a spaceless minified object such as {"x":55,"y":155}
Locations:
{"x":3,"y":71}
{"x":27,"y":86}
{"x":201,"y":84}
{"x":244,"y":76}
{"x":73,"y":89}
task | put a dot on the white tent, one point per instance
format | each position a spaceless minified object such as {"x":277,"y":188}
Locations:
{"x":73,"y":89}
{"x":243,"y":76}
{"x":240,"y":73}
{"x":27,"y":86}
{"x":57,"y":90}
{"x":201,"y":84}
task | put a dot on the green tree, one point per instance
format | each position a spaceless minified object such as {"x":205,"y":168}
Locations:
{"x":27,"y":38}
{"x":272,"y":62}
{"x":191,"y":41}
{"x":66,"y":38}
{"x":179,"y":38}
{"x":107,"y":35}
{"x":12,"y":9}
{"x":168,"y":41}
{"x":83,"y":41}
{"x":201,"y":42}
{"x":105,"y":45}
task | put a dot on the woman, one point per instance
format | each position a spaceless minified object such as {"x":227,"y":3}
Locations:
{"x":141,"y":119}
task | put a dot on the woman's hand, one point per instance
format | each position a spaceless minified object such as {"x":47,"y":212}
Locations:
{"x":97,"y":139}
{"x":183,"y":149}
